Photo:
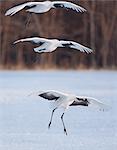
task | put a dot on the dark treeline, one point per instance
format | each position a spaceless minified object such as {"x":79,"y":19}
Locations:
{"x":96,"y":29}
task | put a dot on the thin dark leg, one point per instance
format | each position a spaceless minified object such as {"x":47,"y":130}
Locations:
{"x":65,"y":131}
{"x":28,"y":20}
{"x":51,"y":118}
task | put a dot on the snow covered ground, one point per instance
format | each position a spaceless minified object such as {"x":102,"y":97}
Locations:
{"x":24,"y":119}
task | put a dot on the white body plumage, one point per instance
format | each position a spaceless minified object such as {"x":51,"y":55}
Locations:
{"x":49,"y":45}
{"x":42,"y":7}
{"x":64,"y":100}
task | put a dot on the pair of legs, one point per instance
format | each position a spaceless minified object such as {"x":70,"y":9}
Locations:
{"x":65,"y":131}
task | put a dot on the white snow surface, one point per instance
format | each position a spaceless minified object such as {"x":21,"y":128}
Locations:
{"x":24,"y":119}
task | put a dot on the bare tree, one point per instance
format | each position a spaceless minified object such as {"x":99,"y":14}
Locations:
{"x":96,"y":29}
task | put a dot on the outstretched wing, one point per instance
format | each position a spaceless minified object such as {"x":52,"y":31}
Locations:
{"x":42,"y":42}
{"x":76,"y":46}
{"x":18,"y":8}
{"x":51,"y":95}
{"x":68,"y":5}
{"x":89,"y":101}
{"x":35,"y":40}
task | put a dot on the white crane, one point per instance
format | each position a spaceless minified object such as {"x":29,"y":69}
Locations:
{"x":49,"y":45}
{"x":42,"y":7}
{"x":65,"y":100}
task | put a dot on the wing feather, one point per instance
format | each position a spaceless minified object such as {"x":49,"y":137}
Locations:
{"x":49,"y":96}
{"x":80,"y":101}
{"x":52,"y":94}
{"x":89,"y":101}
{"x":34,"y":40}
{"x":76,"y":46}
{"x":68,"y":5}
{"x":15,"y":9}
{"x":44,"y":42}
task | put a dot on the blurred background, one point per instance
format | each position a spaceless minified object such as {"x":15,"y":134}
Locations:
{"x":95,"y":29}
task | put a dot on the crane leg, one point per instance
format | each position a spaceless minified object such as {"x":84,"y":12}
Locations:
{"x":28,"y":20}
{"x":65,"y":131}
{"x":51,"y":118}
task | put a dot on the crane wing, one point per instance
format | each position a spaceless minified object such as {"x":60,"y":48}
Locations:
{"x":68,"y":5}
{"x":52,"y":95}
{"x":75,"y":45}
{"x":35,"y":40}
{"x":49,"y":96}
{"x":89,"y":101}
{"x":80,"y":101}
{"x":15,"y":9}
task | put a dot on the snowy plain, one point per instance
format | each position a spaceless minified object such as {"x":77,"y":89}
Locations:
{"x":24,"y":119}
